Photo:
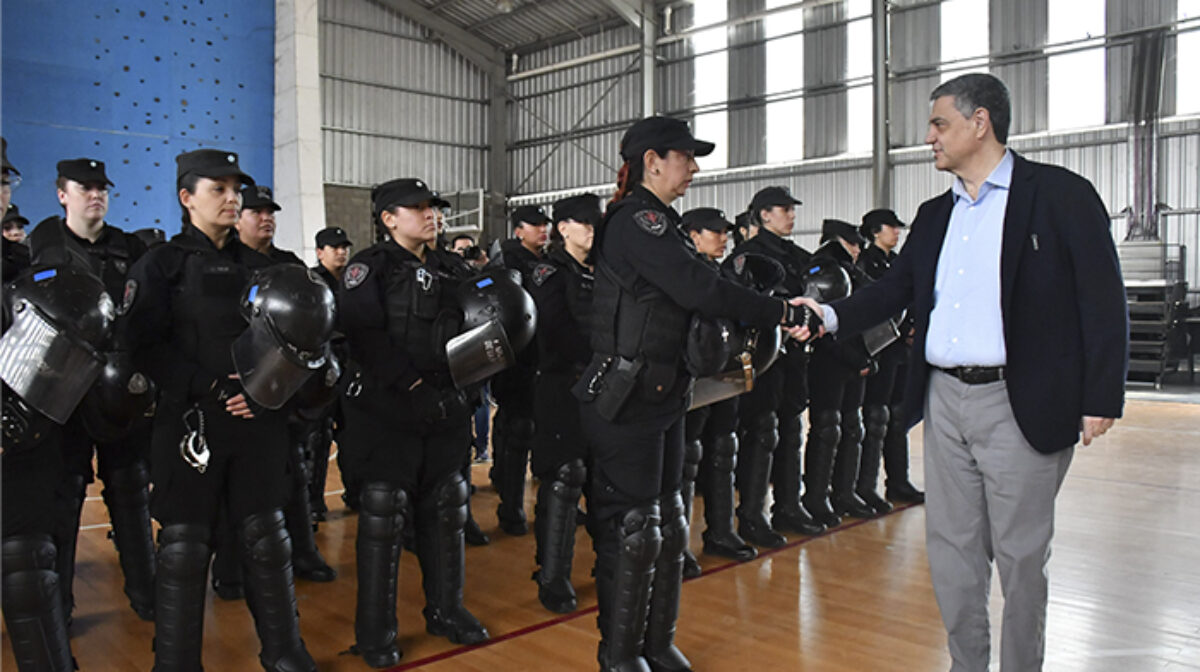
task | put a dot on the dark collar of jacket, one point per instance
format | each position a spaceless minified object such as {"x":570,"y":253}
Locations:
{"x":563,"y":259}
{"x":192,"y":237}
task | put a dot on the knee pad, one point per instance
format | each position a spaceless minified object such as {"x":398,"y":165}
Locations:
{"x":572,"y":474}
{"x":827,"y":425}
{"x":674,"y":525}
{"x":183,"y":550}
{"x":384,"y":508}
{"x":450,"y":497}
{"x":693,"y":452}
{"x":896,"y":419}
{"x":876,"y":418}
{"x":265,"y":538}
{"x":724,"y":452}
{"x":129,"y":480}
{"x":763,"y":431}
{"x":639,"y":534}
{"x":25,"y":553}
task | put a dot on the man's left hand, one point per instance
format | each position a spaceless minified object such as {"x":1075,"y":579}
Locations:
{"x":1093,"y":427}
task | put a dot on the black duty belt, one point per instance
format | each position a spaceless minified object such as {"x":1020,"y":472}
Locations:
{"x":975,"y":375}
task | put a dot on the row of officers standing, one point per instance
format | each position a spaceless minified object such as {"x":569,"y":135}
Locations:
{"x":633,"y":366}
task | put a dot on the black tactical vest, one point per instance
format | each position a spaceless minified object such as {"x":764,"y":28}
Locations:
{"x":422,"y":313}
{"x":205,"y":308}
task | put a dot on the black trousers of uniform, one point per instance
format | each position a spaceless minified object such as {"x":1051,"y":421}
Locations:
{"x":29,"y":479}
{"x":558,"y":431}
{"x":247,"y":470}
{"x":634,"y":463}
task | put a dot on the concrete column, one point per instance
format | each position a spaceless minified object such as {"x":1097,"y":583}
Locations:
{"x":299,"y":168}
{"x":881,"y":167}
{"x":495,"y":214}
{"x":649,"y":41}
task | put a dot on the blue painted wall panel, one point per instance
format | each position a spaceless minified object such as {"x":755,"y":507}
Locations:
{"x":134,"y":83}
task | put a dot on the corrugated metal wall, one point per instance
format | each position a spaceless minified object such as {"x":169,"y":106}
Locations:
{"x":395,"y":104}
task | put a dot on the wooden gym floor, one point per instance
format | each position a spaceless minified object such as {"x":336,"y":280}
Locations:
{"x":1125,"y":585}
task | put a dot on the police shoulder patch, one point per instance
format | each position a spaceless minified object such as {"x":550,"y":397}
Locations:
{"x":651,"y":221}
{"x":356,"y":273}
{"x":131,"y":287}
{"x":542,"y":273}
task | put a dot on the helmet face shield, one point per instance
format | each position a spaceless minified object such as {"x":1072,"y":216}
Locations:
{"x":270,"y":371}
{"x":44,"y":365}
{"x":479,"y":353}
{"x":291,"y":314}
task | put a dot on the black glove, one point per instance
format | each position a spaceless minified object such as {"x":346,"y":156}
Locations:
{"x":802,"y":316}
{"x":230,"y":388}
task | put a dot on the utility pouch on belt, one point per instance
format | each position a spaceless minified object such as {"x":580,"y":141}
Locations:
{"x":609,"y":383}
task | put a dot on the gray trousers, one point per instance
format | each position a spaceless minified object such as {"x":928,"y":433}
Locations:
{"x":989,"y":496}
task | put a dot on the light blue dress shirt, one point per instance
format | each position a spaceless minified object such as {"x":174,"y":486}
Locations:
{"x":966,"y":327}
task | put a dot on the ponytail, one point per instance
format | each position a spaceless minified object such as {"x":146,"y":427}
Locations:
{"x":623,"y":182}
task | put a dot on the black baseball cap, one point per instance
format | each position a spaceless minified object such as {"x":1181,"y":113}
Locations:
{"x":84,"y":171}
{"x":210,"y":163}
{"x":406,"y":191}
{"x":661,"y":133}
{"x":878,"y":217}
{"x":529,"y":214}
{"x":4,"y":154}
{"x":257,"y":197}
{"x":333,"y":236}
{"x":712,"y":219}
{"x":770,"y":197}
{"x":581,"y":208}
{"x":837,"y":228}
{"x":439,"y":202}
{"x":14,"y":217}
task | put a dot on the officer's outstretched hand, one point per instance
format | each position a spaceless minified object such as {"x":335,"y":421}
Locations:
{"x":237,"y":402}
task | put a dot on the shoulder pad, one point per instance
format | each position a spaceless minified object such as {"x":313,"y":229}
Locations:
{"x":542,"y":273}
{"x":652,"y":222}
{"x":355,"y":274}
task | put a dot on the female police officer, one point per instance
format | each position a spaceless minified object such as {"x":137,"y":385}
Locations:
{"x":212,"y":445}
{"x":562,"y":288}
{"x":635,"y":391}
{"x":405,"y":416}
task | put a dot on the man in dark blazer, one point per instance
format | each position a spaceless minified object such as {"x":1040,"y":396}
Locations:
{"x":1021,"y":343}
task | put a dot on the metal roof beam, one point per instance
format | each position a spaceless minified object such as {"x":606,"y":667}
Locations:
{"x":472,"y":47}
{"x":628,"y":10}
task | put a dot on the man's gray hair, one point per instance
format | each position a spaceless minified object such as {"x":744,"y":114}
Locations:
{"x":975,"y":90}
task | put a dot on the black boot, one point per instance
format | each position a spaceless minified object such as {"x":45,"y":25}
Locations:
{"x":627,"y":547}
{"x":822,"y":443}
{"x":757,"y":447}
{"x":179,"y":597}
{"x":555,"y":527}
{"x":307,"y":562}
{"x":127,"y":496}
{"x":381,"y":519}
{"x":875,"y":418}
{"x":511,"y":438}
{"x":270,"y":593}
{"x":719,"y":537}
{"x":693,"y":453}
{"x":660,"y":650}
{"x":440,"y":520}
{"x":33,"y":609}
{"x":227,"y":559}
{"x":787,"y":514}
{"x":895,"y":460}
{"x":68,"y":506}
{"x":845,"y":469}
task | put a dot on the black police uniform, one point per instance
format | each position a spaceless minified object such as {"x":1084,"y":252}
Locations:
{"x":883,"y":412}
{"x":397,"y":313}
{"x":330,"y":421}
{"x":183,"y":317}
{"x":34,"y":614}
{"x":634,"y":395}
{"x":15,"y":255}
{"x":513,"y":423}
{"x":835,"y":406}
{"x":562,"y":290}
{"x":771,"y":426}
{"x":123,"y":462}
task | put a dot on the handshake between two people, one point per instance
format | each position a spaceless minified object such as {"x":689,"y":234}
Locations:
{"x":802,"y":319}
